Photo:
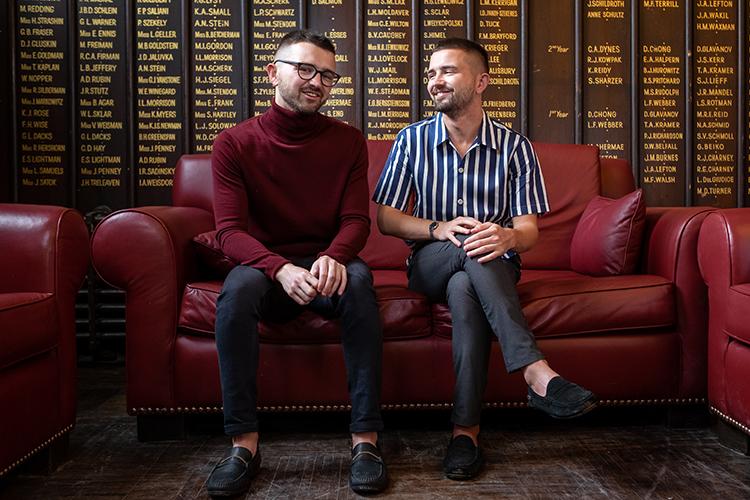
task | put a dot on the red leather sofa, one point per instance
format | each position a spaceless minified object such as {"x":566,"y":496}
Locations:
{"x":44,"y":254}
{"x":724,"y":258}
{"x":633,"y":339}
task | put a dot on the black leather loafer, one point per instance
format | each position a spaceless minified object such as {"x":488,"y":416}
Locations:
{"x":463,"y":460}
{"x":563,"y":400}
{"x":233,"y":474}
{"x":368,"y":474}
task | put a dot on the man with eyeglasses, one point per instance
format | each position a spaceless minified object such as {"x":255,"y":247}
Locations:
{"x":291,"y":206}
{"x":478,"y":190}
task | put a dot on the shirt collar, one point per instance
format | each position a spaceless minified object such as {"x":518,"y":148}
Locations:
{"x":487,"y":135}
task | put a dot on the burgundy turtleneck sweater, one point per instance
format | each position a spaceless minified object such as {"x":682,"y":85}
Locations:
{"x":290,"y":185}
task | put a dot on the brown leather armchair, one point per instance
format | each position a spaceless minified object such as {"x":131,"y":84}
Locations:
{"x":44,"y":254}
{"x":724,"y":257}
{"x":637,"y":338}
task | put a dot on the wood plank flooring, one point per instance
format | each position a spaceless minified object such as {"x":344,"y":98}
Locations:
{"x":613,"y":453}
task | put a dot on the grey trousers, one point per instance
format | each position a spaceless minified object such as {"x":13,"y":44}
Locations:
{"x":483,"y":301}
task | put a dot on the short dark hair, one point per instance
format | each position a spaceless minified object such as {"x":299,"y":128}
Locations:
{"x":466,"y":46}
{"x":309,"y":36}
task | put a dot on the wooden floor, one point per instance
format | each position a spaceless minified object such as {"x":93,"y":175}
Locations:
{"x":613,"y":453}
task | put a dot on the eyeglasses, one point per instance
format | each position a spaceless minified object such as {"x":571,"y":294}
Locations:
{"x":308,"y":72}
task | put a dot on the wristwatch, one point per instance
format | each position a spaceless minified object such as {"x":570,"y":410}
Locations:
{"x":433,"y":225}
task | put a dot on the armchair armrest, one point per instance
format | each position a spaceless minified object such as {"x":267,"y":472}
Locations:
{"x":147,"y":252}
{"x":45,"y":249}
{"x":723,"y":249}
{"x":671,"y":251}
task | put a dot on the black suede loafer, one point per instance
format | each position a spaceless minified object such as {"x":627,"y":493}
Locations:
{"x":463,"y":460}
{"x":368,"y":474}
{"x":563,"y":400}
{"x":233,"y":474}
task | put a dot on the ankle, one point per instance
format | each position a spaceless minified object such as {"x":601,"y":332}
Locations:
{"x":471,"y":431}
{"x":364,"y":437}
{"x":248,"y":440}
{"x":537,"y":375}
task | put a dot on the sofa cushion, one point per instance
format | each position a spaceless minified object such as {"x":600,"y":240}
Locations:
{"x":28,"y":322}
{"x":607,"y":239}
{"x":562,"y":303}
{"x":403,"y":313}
{"x":738,"y":299}
{"x":210,"y":254}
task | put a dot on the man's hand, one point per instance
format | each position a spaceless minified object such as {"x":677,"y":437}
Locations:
{"x":330,"y":274}
{"x":298,"y":283}
{"x":489,"y":240}
{"x":460,"y":225}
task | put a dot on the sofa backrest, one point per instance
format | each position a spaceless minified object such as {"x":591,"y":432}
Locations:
{"x":573,"y":175}
{"x":193,"y":184}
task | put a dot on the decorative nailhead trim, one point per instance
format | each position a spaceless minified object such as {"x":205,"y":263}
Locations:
{"x":403,"y":406}
{"x":35,"y":450}
{"x":729,"y":419}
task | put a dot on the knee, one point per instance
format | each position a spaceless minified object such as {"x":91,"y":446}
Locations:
{"x":358,"y":276}
{"x":246,"y":283}
{"x":459,"y":287}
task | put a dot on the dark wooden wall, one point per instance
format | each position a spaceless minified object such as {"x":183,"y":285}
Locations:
{"x":109,"y":93}
{"x":6,"y":160}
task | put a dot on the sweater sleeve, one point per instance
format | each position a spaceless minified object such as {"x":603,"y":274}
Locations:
{"x":354,"y":218}
{"x":231,"y":211}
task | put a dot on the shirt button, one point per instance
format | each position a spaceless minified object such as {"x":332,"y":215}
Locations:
{"x":460,"y":170}
{"x":460,"y":201}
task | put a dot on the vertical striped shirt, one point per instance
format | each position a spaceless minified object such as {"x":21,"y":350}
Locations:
{"x":499,"y":177}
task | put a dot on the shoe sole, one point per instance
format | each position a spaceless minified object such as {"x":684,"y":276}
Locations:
{"x":590,"y":406}
{"x":460,"y":476}
{"x":466,"y":475}
{"x":223,"y":493}
{"x":368,"y":490}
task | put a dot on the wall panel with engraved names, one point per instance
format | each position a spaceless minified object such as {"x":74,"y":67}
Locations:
{"x":43,"y":98}
{"x":270,"y":20}
{"x":103,"y":157}
{"x":715,"y":161}
{"x":606,"y":77}
{"x":439,"y":19}
{"x":389,"y":58}
{"x":339,"y":20}
{"x":108,"y":94}
{"x":217,"y":67}
{"x":498,"y":29}
{"x":662,"y":127}
{"x":159,"y":82}
{"x":552,"y":63}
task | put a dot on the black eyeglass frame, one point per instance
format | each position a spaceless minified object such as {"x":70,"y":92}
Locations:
{"x":323,"y":74}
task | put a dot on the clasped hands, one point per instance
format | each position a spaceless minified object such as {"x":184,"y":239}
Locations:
{"x":487,"y":239}
{"x":325,"y":277}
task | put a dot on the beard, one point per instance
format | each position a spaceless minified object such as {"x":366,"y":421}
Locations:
{"x":298,"y":102}
{"x":454,"y":103}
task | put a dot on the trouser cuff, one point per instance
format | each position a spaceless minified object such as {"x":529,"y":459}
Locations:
{"x":525,"y":361}
{"x":238,"y":429}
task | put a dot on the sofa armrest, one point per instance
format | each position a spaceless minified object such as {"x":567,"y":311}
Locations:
{"x":671,"y":251}
{"x":148,"y":253}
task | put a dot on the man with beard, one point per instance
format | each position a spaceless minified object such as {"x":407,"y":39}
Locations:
{"x":291,"y":206}
{"x":478,"y":189}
